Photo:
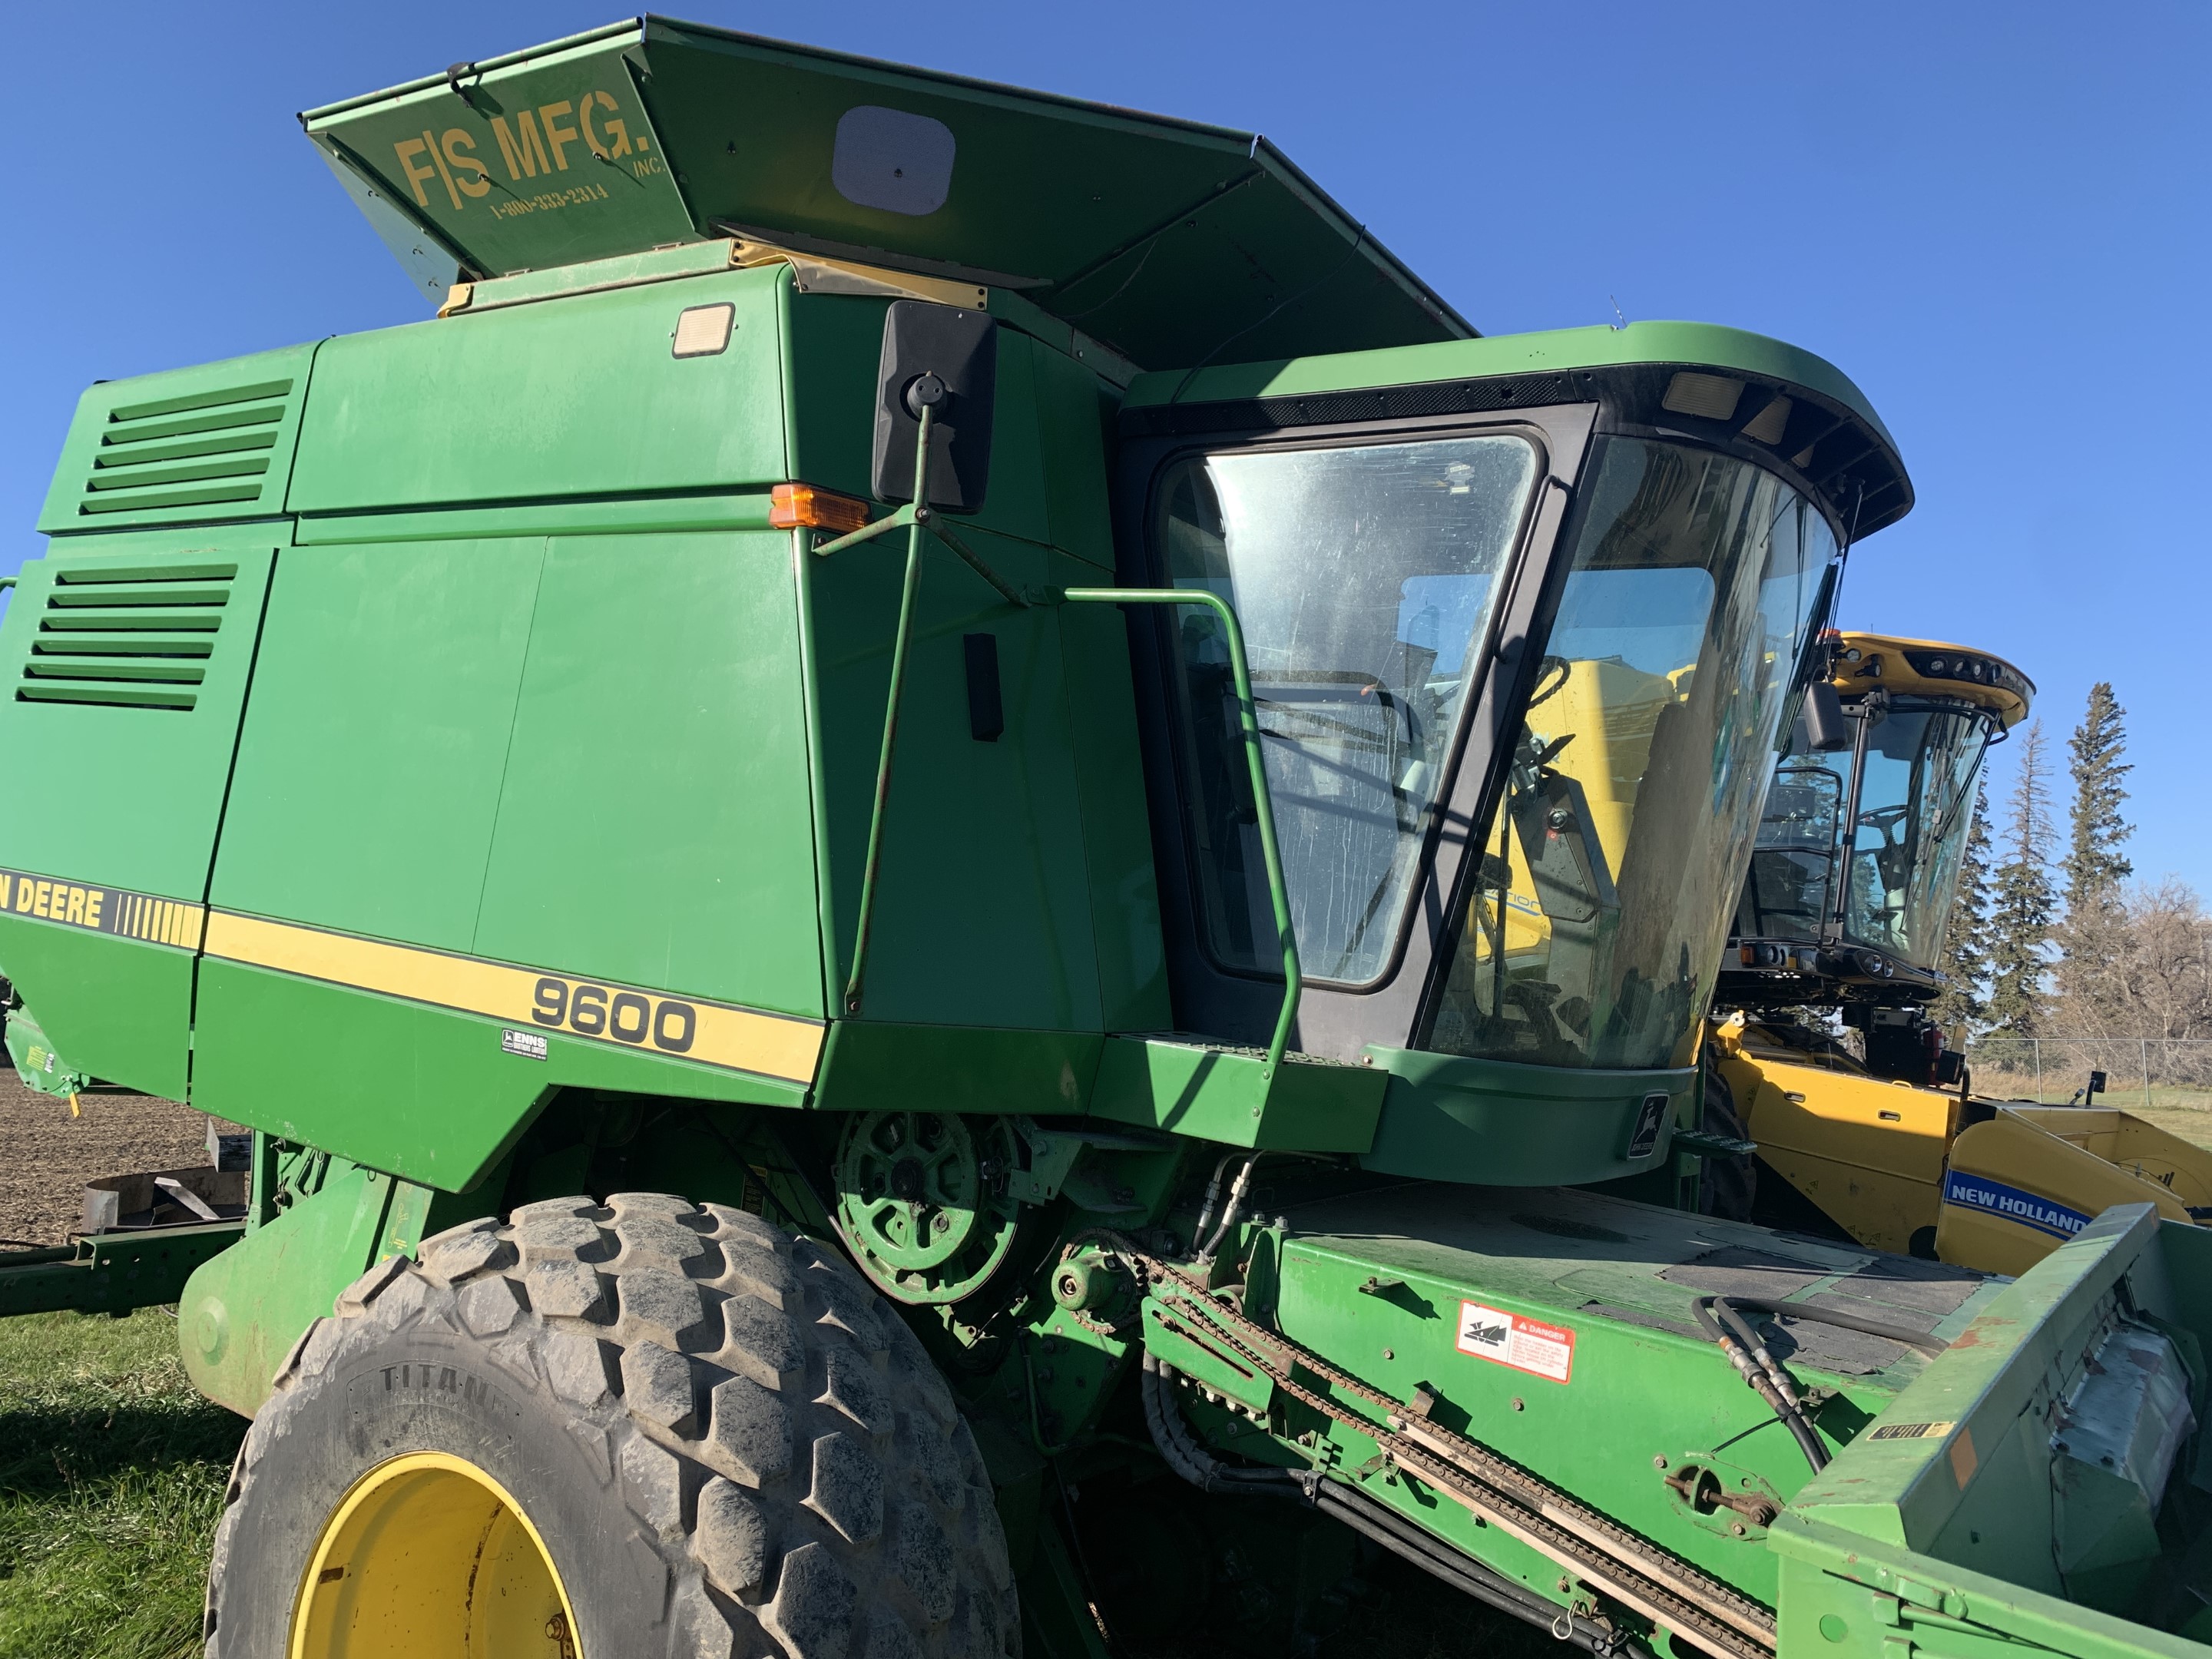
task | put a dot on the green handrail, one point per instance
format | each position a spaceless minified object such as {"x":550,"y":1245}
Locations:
{"x":1247,"y":717}
{"x":915,"y":517}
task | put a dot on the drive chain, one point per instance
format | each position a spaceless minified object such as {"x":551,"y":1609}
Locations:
{"x":1632,"y":1568}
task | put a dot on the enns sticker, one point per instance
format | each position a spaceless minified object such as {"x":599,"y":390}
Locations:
{"x":529,"y":1044}
{"x":1507,"y":1338}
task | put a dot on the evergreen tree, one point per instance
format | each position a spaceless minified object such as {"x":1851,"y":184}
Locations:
{"x":2093,"y":939}
{"x":1968,"y":931}
{"x":2025,"y":905}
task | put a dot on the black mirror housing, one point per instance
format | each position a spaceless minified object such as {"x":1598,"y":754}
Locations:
{"x":1826,"y":731}
{"x":958,"y":350}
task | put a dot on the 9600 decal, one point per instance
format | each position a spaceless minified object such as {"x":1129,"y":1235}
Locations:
{"x":541,"y":1004}
{"x":630,"y":1016}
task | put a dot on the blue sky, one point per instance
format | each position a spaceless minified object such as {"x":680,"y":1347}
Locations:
{"x":1993,"y":217}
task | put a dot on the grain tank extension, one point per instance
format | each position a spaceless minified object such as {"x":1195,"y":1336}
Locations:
{"x":946,"y":832}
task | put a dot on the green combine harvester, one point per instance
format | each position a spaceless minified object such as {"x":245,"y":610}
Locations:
{"x":956,"y":874}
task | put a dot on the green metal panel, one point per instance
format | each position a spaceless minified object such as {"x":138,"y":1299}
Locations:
{"x":87,"y":774}
{"x":655,"y":823}
{"x":578,"y":396}
{"x":368,"y":770}
{"x":832,"y":346}
{"x":1943,"y":1538}
{"x":983,"y":913}
{"x":1551,"y":351}
{"x":1375,"y":1282}
{"x":117,"y":1008}
{"x":213,"y":442}
{"x":241,"y":1312}
{"x":623,"y":517}
{"x":1017,"y":503}
{"x":1075,"y":411}
{"x":1117,"y":841}
{"x":1447,"y":1118}
{"x":1226,"y":1095}
{"x":835,"y":345}
{"x":548,"y":158}
{"x":431,"y":1094}
{"x":1992,"y":1457}
{"x":1164,"y":237}
{"x":110,"y":1274}
{"x":151,"y":635}
{"x":867,"y":1065}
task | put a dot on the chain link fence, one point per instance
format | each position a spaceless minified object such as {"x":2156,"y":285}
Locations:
{"x":2147,"y":1073}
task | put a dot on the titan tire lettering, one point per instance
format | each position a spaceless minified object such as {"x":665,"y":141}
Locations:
{"x":628,"y":1001}
{"x":666,"y":1019}
{"x":587,"y":1010}
{"x":549,"y":1001}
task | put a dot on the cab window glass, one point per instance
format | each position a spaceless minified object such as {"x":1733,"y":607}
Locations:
{"x":1605,"y":881}
{"x":1365,"y":580}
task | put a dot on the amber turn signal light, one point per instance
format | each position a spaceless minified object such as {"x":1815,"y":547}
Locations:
{"x":802,"y":507}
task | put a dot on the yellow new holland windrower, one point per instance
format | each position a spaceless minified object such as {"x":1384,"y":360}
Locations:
{"x":1844,"y":911}
{"x":937,"y":858}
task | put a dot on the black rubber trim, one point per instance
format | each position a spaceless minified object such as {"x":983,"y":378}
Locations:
{"x":1381,"y":404}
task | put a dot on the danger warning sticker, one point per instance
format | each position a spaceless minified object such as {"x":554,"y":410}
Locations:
{"x":1507,"y":1338}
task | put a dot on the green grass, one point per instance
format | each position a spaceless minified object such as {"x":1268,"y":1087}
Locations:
{"x":111,"y":1473}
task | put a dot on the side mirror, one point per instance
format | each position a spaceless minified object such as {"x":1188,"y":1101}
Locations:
{"x":946,"y":359}
{"x":1825,"y":730}
{"x":1950,"y":1067}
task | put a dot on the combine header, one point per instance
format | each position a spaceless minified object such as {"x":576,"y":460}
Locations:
{"x":945,"y":829}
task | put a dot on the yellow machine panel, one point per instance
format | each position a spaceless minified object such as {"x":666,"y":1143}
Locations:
{"x":1602,"y":714}
{"x":2024,"y":1182}
{"x":1866,"y":1151}
{"x":1887,"y":1161}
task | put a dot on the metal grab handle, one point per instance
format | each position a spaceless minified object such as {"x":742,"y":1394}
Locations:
{"x":1247,"y":718}
{"x":915,"y":517}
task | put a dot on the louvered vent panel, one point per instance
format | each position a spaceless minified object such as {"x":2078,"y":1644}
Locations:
{"x":207,"y":449}
{"x":127,"y":639}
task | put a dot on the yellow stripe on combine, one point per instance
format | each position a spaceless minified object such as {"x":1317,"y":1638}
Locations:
{"x":712,"y":1034}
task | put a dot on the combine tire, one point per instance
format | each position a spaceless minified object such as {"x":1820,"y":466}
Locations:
{"x":648,"y":1428}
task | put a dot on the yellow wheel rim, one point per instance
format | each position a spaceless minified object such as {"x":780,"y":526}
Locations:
{"x":429,"y":1557}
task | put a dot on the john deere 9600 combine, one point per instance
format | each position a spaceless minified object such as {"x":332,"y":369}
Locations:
{"x":946,"y":817}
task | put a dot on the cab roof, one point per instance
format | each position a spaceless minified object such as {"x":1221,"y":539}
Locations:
{"x":1170,"y":240}
{"x":1889,"y":662}
{"x":1698,"y":380}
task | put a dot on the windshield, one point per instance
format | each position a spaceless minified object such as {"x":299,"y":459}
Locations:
{"x":1363,"y":578}
{"x":1790,"y":888}
{"x":1917,"y":766}
{"x":1919,"y":769}
{"x":1606,"y":882}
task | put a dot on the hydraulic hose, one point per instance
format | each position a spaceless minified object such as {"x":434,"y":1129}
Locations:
{"x":1231,"y":1210}
{"x":1783,"y":1383}
{"x":1183,"y":1454}
{"x":1371,"y":1519}
{"x":1212,"y":1193}
{"x":1762,"y":1383}
{"x":1380,"y":1524}
{"x":1843,"y":1321}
